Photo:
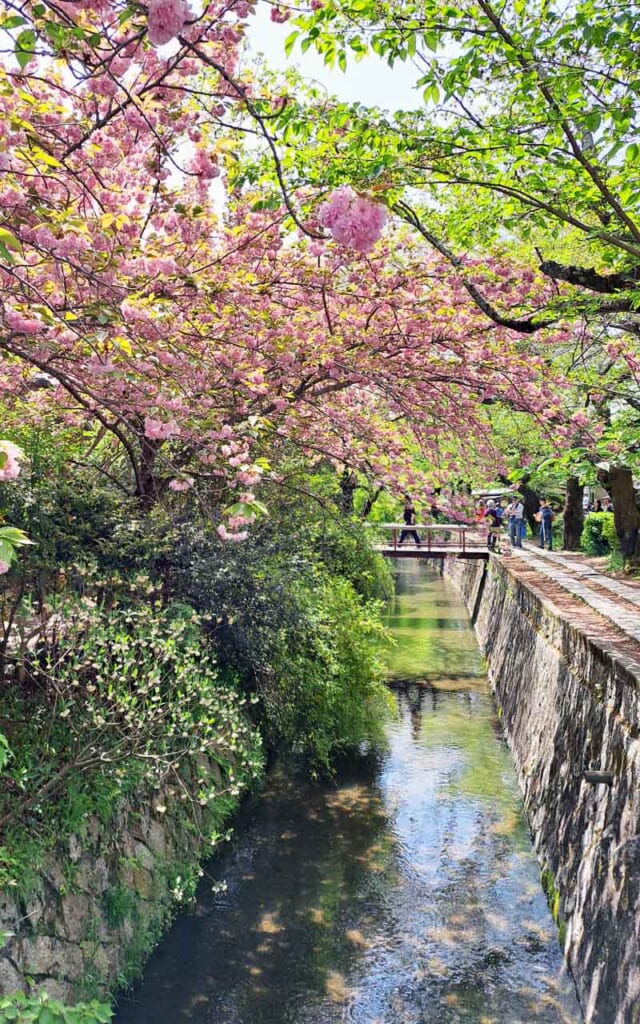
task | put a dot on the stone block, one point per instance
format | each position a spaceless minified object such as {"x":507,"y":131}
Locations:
{"x":11,"y":979}
{"x":77,"y":915}
{"x":156,"y":838}
{"x":143,"y":855}
{"x":52,"y":956}
{"x":92,"y":876}
{"x":55,"y":988}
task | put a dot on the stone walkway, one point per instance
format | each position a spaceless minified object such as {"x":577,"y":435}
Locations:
{"x":616,"y":601}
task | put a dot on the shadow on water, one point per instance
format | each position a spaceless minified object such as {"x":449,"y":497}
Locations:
{"x":404,"y":891}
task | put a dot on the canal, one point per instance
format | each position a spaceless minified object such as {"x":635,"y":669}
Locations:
{"x":403,"y":892}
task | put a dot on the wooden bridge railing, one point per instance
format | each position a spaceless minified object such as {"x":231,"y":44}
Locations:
{"x":438,"y":536}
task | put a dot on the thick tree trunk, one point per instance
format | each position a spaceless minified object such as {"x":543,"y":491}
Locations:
{"x":573,"y":515}
{"x":348,"y":484}
{"x":531,"y":503}
{"x":618,"y":482}
{"x":147,"y":490}
{"x":371,"y":499}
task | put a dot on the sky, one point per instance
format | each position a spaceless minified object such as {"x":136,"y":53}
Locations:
{"x":371,"y":82}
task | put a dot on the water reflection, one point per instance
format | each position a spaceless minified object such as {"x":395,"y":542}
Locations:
{"x":404,"y":892}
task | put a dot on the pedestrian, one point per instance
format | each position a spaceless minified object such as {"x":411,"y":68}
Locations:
{"x":493,"y":520}
{"x":545,"y":517}
{"x":514,"y":513}
{"x":409,"y":519}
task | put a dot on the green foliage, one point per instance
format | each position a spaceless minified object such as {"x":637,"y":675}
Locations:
{"x":118,"y":903}
{"x":118,"y":703}
{"x":5,"y":752}
{"x":598,"y":535}
{"x":10,"y":539}
{"x":19,"y":1008}
{"x":609,"y":531}
{"x":83,"y":534}
{"x":291,"y":613}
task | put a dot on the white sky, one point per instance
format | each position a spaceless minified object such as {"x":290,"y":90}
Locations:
{"x":371,"y":82}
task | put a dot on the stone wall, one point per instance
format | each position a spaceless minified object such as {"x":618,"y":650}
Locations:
{"x":101,"y":902}
{"x":569,"y":698}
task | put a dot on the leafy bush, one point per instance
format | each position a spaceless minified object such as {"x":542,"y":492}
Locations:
{"x":598,"y":535}
{"x":21,"y":1009}
{"x":117,"y":702}
{"x":294,"y":629}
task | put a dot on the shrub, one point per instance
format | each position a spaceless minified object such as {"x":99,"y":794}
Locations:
{"x":296,"y":632}
{"x":119,"y":701}
{"x":598,"y":535}
{"x":18,"y":1008}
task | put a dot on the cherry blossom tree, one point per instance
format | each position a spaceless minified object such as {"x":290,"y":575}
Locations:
{"x":199,"y":342}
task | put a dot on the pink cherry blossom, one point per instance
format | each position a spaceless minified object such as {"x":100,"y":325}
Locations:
{"x":9,"y":465}
{"x":352,"y":219}
{"x":156,"y":430}
{"x":4,"y":567}
{"x":224,"y":534}
{"x":181,"y":485}
{"x":203,"y":165}
{"x":166,"y":20}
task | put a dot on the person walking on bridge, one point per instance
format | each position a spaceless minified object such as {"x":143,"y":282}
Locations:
{"x":409,"y":518}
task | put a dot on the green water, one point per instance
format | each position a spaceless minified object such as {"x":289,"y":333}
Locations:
{"x":403,"y":892}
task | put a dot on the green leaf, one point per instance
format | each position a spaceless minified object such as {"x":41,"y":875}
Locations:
{"x":14,"y":536}
{"x":13,"y":21}
{"x":102,"y":1013}
{"x":9,"y":240}
{"x":25,"y":47}
{"x":7,"y":553}
{"x":47,"y":1016}
{"x":290,"y":42}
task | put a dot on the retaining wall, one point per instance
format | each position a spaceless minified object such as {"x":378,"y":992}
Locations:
{"x":101,"y":900}
{"x":569,"y":699}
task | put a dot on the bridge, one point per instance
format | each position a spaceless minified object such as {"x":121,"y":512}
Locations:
{"x":441,"y":540}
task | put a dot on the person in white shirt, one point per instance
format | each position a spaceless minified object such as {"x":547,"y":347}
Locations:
{"x":514,"y":514}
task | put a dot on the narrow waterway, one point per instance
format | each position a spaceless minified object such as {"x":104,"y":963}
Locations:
{"x":405,"y":892}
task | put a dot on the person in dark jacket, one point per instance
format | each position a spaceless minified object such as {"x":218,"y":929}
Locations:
{"x":546,"y":515}
{"x":409,"y":518}
{"x":493,"y":518}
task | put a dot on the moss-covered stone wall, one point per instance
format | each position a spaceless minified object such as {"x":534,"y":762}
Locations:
{"x":102,"y":899}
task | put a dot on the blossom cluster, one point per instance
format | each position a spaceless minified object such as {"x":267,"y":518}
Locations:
{"x":166,"y":20}
{"x":156,"y":430}
{"x":9,"y":464}
{"x":352,"y":219}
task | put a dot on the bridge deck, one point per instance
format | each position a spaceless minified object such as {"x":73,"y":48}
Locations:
{"x":437,"y":551}
{"x":437,"y":540}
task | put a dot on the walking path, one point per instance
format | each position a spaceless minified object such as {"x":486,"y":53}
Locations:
{"x":616,"y":601}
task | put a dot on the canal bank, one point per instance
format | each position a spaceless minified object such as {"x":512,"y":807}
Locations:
{"x":567,"y":686}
